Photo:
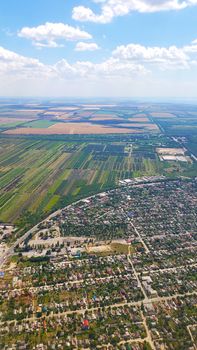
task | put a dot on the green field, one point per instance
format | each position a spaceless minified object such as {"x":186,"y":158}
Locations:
{"x":39,"y":175}
{"x":10,"y":125}
{"x":39,"y":124}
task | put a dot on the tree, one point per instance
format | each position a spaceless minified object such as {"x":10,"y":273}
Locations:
{"x":146,"y":346}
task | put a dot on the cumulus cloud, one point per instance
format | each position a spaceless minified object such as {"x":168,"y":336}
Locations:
{"x":109,"y":68}
{"x":50,"y":44}
{"x":81,"y":46}
{"x":12,"y":63}
{"x":131,"y":69}
{"x":47,"y":34}
{"x":161,"y":56}
{"x":114,"y":8}
{"x":192,"y":48}
{"x":125,"y":62}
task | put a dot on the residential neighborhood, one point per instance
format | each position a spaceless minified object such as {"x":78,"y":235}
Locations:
{"x":117,"y":270}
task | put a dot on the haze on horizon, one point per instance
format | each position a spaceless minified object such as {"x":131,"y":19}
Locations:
{"x":90,"y":48}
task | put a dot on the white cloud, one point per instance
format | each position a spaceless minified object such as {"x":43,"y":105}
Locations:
{"x":129,"y":66}
{"x":17,"y":65}
{"x":114,"y":8}
{"x":85,"y":14}
{"x":46,"y":35}
{"x":132,"y":59}
{"x":12,"y":63}
{"x":109,"y":68}
{"x":163,"y":57}
{"x":50,"y":44}
{"x":20,"y":75}
{"x":81,"y":46}
{"x":192,"y":48}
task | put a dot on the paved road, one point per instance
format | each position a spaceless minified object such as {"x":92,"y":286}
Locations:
{"x":134,"y":303}
{"x":10,"y":251}
{"x":149,"y":338}
{"x":138,"y":280}
{"x":191,"y":336}
{"x":141,"y":240}
{"x":49,"y":286}
{"x":173,"y":269}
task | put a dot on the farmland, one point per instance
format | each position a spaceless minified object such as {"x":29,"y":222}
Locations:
{"x":123,"y":254}
{"x":53,"y":118}
{"x":52,"y":154}
{"x":40,"y":175}
{"x":80,"y":128}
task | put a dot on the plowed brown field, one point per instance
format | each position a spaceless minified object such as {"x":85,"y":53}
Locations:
{"x":72,"y":128}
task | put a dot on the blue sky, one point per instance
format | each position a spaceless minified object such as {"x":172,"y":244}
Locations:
{"x":120,"y":48}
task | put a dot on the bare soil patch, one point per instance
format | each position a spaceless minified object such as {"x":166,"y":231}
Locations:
{"x":140,"y":119}
{"x":72,"y":128}
{"x":170,"y":151}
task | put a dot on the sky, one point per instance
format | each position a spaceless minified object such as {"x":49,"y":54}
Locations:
{"x":98,"y":48}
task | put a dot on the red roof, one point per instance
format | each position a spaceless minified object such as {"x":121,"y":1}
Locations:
{"x":86,"y":323}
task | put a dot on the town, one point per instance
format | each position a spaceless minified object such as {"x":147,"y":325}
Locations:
{"x":117,"y":270}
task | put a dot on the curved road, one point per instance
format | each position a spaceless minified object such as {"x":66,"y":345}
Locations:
{"x":10,"y":251}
